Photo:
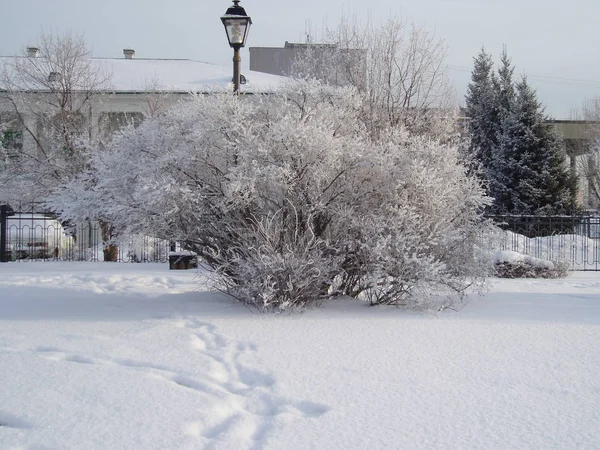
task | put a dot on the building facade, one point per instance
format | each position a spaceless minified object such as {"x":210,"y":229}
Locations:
{"x":136,"y":88}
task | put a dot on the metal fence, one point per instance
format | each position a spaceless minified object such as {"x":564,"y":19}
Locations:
{"x":574,"y":239}
{"x":40,"y":236}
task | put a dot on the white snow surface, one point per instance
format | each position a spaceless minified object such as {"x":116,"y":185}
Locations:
{"x":514,"y":257}
{"x":181,"y":75}
{"x":123,"y":356}
{"x":175,"y":75}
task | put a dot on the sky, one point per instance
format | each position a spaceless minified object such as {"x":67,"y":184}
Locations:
{"x":553,"y":43}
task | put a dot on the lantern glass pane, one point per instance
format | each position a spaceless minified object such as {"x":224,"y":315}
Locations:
{"x":236,"y":31}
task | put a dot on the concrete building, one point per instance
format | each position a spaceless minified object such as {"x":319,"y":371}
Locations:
{"x":579,"y":137}
{"x":327,"y":60}
{"x":280,"y":60}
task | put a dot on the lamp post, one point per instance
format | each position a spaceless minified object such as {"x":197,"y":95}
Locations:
{"x":5,"y":212}
{"x":237,"y":23}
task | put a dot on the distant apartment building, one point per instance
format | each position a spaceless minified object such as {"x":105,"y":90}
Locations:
{"x":281,"y":60}
{"x":324,"y":61}
{"x":579,"y":138}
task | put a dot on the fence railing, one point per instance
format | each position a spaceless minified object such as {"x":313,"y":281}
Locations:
{"x":34,"y":236}
{"x":574,"y":239}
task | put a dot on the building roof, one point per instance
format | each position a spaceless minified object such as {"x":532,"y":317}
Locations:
{"x":175,"y":75}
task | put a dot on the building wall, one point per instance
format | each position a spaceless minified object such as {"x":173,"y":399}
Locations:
{"x":279,"y":60}
{"x":276,"y":61}
{"x":326,"y":61}
{"x":106,"y":113}
{"x":579,"y":138}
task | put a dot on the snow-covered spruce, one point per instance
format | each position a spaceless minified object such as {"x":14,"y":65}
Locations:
{"x":290,"y":200}
{"x":520,"y":156}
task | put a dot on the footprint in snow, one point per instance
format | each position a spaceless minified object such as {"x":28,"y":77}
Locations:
{"x":247,"y":404}
{"x":8,"y":420}
{"x":240,"y":400}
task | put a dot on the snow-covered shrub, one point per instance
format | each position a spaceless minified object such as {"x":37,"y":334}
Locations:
{"x":275,"y":273}
{"x":289,"y":199}
{"x":509,"y":264}
{"x":421,"y":235}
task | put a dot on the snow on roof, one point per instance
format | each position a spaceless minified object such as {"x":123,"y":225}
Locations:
{"x":181,"y":75}
{"x":176,"y":75}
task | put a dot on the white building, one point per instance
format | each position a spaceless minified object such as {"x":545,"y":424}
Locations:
{"x":139,"y":87}
{"x":136,"y":88}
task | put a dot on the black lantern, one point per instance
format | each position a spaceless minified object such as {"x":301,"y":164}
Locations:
{"x":236,"y":23}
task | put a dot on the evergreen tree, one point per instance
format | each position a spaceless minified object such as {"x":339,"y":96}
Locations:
{"x":481,"y":110}
{"x":530,"y":161}
{"x":521,"y":156}
{"x":504,"y":88}
{"x":498,"y":174}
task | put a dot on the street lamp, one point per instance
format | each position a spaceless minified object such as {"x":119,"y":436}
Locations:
{"x":237,"y":24}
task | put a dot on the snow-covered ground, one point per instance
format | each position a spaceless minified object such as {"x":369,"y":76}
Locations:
{"x":124,"y":356}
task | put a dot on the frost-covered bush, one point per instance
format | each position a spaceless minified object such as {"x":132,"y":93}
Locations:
{"x":275,"y":273}
{"x":509,"y":264}
{"x":290,"y":200}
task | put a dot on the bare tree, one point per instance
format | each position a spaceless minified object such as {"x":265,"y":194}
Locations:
{"x":48,"y":94}
{"x":398,"y":68}
{"x":157,"y":99}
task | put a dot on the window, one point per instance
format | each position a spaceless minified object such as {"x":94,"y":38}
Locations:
{"x":11,"y":139}
{"x":111,"y":122}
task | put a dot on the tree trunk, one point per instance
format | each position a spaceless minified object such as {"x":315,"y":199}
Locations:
{"x":110,"y":250}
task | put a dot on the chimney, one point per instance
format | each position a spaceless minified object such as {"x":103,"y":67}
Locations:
{"x":129,"y":53}
{"x":33,"y":52}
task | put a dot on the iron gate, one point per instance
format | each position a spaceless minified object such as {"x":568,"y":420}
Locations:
{"x":36,"y":235}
